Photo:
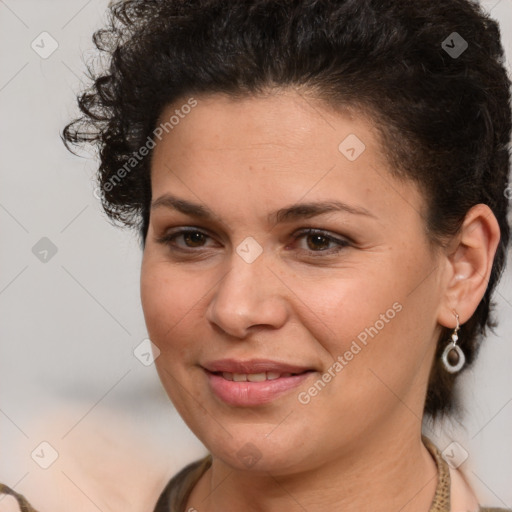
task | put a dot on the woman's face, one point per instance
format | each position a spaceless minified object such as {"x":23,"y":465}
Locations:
{"x":247,"y":296}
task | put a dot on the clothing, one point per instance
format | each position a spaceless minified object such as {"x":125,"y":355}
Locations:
{"x":23,"y":504}
{"x":175,"y":495}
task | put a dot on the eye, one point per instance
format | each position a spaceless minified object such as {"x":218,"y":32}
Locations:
{"x":318,"y":242}
{"x":193,"y":238}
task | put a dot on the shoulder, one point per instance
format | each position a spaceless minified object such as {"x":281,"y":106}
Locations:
{"x":11,"y":501}
{"x":463,"y":496}
{"x":176,"y":492}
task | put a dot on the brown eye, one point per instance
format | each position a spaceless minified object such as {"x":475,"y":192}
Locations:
{"x":193,"y":238}
{"x":316,"y":242}
{"x":321,"y":243}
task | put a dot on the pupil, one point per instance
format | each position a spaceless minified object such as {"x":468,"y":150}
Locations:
{"x":193,"y":237}
{"x":318,"y":238}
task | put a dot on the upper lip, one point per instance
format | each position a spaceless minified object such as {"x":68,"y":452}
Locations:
{"x":252,"y":366}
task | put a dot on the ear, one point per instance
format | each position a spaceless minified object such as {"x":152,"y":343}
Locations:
{"x":469,"y":260}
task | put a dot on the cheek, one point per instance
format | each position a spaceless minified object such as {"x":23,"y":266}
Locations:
{"x":170,"y":301}
{"x":156,"y":300}
{"x":351,"y":306}
{"x":375,"y":321}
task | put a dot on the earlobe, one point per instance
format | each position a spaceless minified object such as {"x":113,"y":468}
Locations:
{"x":469,"y":265}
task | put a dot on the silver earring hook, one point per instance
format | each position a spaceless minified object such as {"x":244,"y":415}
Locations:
{"x":455,"y":337}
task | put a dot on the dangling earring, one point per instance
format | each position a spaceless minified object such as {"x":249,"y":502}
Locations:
{"x":453,"y":358}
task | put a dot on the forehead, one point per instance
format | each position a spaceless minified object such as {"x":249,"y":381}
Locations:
{"x":282,"y":118}
{"x":276,"y":148}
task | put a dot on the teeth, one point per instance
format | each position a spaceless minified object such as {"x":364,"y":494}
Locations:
{"x":254,"y":377}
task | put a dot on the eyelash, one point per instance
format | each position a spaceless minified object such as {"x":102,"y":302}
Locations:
{"x":169,"y":238}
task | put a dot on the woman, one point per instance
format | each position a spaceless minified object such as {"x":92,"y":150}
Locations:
{"x":320,"y":193}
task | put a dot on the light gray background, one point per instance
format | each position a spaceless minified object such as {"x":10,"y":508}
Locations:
{"x":69,"y":326}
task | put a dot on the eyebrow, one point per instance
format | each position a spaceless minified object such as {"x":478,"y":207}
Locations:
{"x":287,"y":214}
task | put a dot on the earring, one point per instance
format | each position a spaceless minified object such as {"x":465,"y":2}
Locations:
{"x":453,"y":358}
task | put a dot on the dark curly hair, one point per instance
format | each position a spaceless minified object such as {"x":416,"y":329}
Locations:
{"x":443,"y":115}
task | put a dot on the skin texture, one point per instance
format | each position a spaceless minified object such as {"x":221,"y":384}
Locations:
{"x":243,"y":159}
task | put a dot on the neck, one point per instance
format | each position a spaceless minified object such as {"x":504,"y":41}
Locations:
{"x":393,"y":472}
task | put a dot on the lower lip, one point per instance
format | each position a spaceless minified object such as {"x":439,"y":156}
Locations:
{"x":247,"y":394}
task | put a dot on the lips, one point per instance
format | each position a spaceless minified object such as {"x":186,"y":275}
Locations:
{"x":254,"y":382}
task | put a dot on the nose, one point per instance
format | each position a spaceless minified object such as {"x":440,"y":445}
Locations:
{"x":248,"y":297}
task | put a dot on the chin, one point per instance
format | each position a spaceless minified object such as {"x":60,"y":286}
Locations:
{"x":258,"y":448}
